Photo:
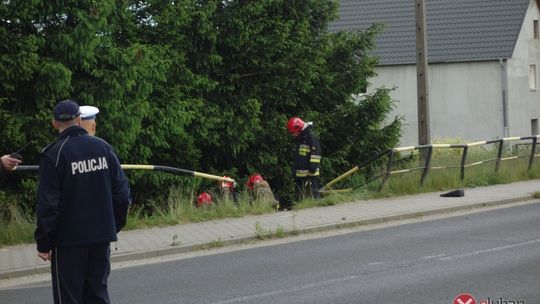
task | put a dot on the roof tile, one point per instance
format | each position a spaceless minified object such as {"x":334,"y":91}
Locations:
{"x":458,"y":30}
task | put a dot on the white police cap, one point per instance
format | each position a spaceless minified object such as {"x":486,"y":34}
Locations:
{"x":88,"y":112}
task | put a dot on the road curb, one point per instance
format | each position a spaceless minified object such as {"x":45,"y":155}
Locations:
{"x":160,"y":252}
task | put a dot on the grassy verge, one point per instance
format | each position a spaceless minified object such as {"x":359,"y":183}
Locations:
{"x":179,"y":208}
{"x":437,"y":180}
{"x":15,"y":228}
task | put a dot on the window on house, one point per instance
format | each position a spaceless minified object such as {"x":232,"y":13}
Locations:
{"x":534,"y":126}
{"x":532,"y":77}
{"x":535,"y":25}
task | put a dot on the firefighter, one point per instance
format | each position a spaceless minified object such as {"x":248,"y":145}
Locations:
{"x":204,"y":199}
{"x":307,"y":158}
{"x":260,"y":189}
{"x":228,"y":191}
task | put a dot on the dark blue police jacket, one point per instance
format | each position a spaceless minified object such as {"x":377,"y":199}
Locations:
{"x":83,"y":193}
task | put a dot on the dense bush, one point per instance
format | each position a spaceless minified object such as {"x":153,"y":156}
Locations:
{"x":206,"y":85}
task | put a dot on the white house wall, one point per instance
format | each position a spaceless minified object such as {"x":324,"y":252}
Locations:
{"x":523,"y":103}
{"x":465,"y":100}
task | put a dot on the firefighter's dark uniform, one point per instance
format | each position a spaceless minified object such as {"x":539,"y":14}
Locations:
{"x":83,"y":198}
{"x":307,"y":162}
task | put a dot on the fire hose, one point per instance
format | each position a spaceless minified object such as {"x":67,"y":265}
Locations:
{"x":172,"y":170}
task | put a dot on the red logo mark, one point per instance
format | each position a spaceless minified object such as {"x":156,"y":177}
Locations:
{"x":464,"y":298}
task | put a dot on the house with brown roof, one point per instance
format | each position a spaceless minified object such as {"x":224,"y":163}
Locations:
{"x":484,"y":64}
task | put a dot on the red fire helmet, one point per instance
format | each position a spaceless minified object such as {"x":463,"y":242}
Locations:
{"x":295,"y":125}
{"x":204,"y":199}
{"x":253,"y":179}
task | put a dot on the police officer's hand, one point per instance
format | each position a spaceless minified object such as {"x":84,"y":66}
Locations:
{"x":10,"y":162}
{"x":45,"y":256}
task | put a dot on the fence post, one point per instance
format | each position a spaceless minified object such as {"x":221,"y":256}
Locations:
{"x":533,"y":152}
{"x":463,"y":161}
{"x":499,"y":155}
{"x":388,"y":168}
{"x":427,"y":164}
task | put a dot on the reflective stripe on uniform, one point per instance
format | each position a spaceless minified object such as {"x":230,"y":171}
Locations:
{"x":303,"y":150}
{"x":315,"y":159}
{"x":301,"y":173}
{"x":316,"y":173}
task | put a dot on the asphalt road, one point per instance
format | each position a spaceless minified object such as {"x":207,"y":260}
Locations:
{"x":494,"y":256}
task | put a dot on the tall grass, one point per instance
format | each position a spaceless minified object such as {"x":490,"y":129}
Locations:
{"x":437,"y":179}
{"x":179,"y":206}
{"x":15,"y":228}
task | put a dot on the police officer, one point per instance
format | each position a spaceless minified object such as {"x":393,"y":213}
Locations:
{"x":88,"y":118}
{"x":82,"y":203}
{"x":307,"y":157}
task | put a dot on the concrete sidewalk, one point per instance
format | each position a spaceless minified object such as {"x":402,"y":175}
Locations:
{"x":17,"y":261}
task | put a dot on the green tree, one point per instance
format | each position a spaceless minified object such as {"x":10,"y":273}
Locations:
{"x":278,"y":61}
{"x":53,"y":50}
{"x":199,"y":84}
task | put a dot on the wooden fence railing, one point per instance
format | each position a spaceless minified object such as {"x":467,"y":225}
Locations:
{"x":427,"y":152}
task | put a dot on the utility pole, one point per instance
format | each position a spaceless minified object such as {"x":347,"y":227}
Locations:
{"x":422,"y":87}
